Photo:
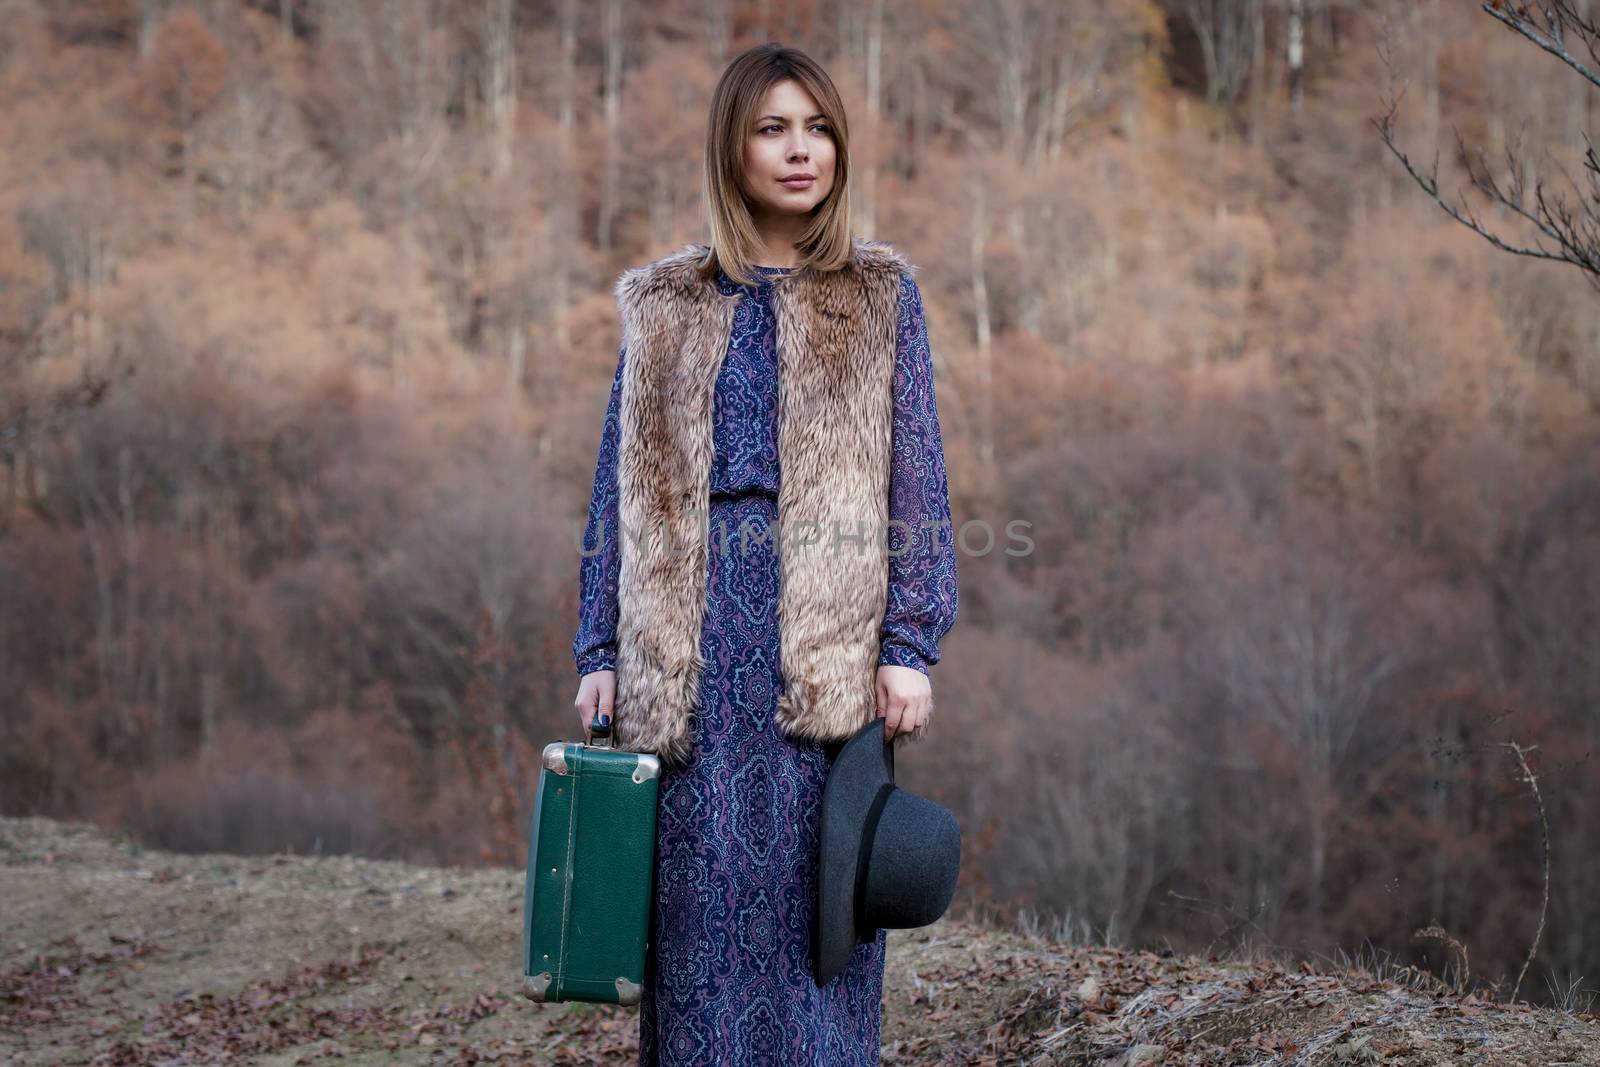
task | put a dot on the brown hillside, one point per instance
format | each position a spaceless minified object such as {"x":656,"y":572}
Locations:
{"x":113,"y":954}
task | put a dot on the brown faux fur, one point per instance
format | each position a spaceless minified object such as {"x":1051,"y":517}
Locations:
{"x":836,"y":335}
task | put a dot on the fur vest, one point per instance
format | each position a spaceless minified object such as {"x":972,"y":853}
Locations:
{"x":836,"y":338}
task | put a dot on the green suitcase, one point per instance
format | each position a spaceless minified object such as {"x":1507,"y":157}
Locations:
{"x":591,"y":873}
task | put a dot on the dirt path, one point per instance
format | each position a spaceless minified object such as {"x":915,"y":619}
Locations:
{"x":111,"y":954}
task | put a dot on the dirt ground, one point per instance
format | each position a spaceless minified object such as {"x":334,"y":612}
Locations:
{"x":113,"y":954}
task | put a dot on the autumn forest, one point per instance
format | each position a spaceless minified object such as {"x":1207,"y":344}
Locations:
{"x":306,"y":331}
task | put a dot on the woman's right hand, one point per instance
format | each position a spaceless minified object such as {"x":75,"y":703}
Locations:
{"x":597,"y":692}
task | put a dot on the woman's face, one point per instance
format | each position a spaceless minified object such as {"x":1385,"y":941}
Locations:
{"x":788,"y":137}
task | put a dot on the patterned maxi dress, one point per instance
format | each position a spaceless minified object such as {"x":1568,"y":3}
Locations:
{"x":728,"y":977}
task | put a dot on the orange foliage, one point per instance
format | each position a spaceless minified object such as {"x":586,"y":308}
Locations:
{"x":182,"y":78}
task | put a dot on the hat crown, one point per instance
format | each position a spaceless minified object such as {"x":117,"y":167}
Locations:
{"x":912,"y":864}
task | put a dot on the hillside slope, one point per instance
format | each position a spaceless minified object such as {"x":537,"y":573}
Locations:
{"x":113,"y":954}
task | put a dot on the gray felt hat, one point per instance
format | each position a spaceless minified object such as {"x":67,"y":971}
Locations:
{"x":888,"y":858}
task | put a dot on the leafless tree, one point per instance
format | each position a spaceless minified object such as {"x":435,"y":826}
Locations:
{"x":1224,"y":29}
{"x":150,"y":14}
{"x":27,"y":416}
{"x":499,"y":77}
{"x":614,"y":35}
{"x":1566,"y":230}
{"x":1291,"y":628}
{"x":1038,"y":65}
{"x":71,"y":231}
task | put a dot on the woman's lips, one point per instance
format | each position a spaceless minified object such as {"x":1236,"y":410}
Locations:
{"x":799,"y":183}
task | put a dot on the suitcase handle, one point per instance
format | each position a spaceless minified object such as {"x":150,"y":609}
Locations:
{"x":605,"y":732}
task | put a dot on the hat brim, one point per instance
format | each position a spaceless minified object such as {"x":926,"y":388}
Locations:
{"x":862,"y":767}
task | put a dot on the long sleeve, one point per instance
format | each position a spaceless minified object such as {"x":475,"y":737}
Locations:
{"x":922,"y":556}
{"x":595,"y":646}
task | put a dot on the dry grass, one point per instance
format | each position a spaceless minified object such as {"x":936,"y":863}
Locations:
{"x":113,"y":954}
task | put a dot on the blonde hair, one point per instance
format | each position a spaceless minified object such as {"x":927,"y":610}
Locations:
{"x":735,"y":242}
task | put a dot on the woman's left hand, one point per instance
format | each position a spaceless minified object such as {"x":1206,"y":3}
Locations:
{"x":905,"y":699}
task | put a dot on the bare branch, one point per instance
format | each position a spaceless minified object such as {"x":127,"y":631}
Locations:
{"x":1532,"y":780}
{"x":22,"y":415}
{"x":1430,"y":185}
{"x":1573,"y":233}
{"x":1551,"y":36}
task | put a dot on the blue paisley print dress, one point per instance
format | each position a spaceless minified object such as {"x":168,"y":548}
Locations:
{"x":728,"y":977}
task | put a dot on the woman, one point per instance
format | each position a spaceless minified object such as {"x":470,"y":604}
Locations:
{"x":785,"y":347}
